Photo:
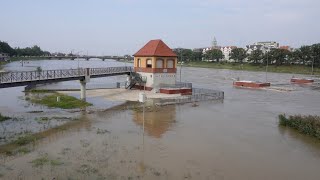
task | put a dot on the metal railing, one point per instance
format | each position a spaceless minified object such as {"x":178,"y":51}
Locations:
{"x":25,"y":76}
{"x":176,"y":85}
{"x":110,"y":70}
{"x":197,"y":96}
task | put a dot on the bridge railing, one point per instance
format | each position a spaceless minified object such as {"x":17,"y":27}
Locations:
{"x":25,"y":76}
{"x":110,"y":70}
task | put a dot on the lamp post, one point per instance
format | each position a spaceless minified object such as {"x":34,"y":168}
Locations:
{"x":267,"y":67}
{"x":78,"y":59}
{"x":180,"y":64}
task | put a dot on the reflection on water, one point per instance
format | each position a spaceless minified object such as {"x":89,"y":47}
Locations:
{"x":156,"y":122}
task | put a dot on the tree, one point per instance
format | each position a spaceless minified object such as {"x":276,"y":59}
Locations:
{"x":184,"y":54}
{"x":256,"y":56}
{"x":296,"y":57}
{"x":238,"y":54}
{"x":315,"y":51}
{"x":214,"y":54}
{"x":279,"y":56}
{"x":6,"y":48}
{"x":196,"y":56}
{"x":305,"y":54}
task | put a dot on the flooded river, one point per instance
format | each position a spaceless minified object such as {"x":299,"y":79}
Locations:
{"x":238,"y":138}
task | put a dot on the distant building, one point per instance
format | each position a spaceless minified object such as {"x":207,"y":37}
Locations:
{"x":268,"y":44}
{"x":4,"y":56}
{"x":287,"y":48}
{"x":265,"y":46}
{"x":226,"y":50}
{"x":197,"y":50}
{"x":250,"y":48}
{"x":204,"y":50}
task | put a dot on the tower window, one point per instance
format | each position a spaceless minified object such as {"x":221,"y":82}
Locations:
{"x":170,"y":63}
{"x":149,"y":63}
{"x":139,"y":63}
{"x":159,"y":63}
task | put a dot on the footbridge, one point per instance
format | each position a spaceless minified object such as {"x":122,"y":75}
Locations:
{"x":72,"y":57}
{"x":29,"y":78}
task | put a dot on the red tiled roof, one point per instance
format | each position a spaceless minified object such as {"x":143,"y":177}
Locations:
{"x":155,"y":48}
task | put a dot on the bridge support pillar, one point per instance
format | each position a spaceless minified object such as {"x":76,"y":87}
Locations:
{"x":83,"y":84}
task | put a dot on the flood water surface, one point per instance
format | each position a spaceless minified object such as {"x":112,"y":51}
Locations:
{"x":238,"y":138}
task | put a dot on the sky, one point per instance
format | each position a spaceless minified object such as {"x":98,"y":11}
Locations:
{"x":118,"y":27}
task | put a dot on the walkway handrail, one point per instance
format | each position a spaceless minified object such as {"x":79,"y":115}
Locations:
{"x":26,"y":76}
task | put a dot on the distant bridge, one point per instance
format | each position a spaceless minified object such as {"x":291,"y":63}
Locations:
{"x":25,"y":78}
{"x":87,"y":57}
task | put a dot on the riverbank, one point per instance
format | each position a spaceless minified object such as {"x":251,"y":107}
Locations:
{"x":294,"y":69}
{"x":309,"y":125}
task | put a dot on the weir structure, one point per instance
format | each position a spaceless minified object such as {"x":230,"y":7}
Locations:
{"x":32,"y":78}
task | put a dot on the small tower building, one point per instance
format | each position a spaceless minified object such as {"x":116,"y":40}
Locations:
{"x":157,"y":63}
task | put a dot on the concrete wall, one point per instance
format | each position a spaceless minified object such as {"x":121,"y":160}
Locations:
{"x":154,"y":79}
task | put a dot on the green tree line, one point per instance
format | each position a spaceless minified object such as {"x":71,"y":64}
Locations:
{"x":305,"y":55}
{"x":28,"y":51}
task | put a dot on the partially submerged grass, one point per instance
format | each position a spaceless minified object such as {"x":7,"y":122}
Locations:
{"x":309,"y":125}
{"x":45,"y":160}
{"x":24,"y":140}
{"x":4,"y":118}
{"x":23,"y":150}
{"x":41,"y":161}
{"x":66,"y":102}
{"x":40,"y":91}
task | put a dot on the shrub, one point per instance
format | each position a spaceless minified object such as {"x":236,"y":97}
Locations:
{"x":309,"y":125}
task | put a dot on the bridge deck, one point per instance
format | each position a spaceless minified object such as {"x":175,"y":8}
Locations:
{"x":23,"y":78}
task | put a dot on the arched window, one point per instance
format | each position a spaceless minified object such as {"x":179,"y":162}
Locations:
{"x":139,"y":63}
{"x":170,"y":63}
{"x":149,"y":63}
{"x":160,"y":63}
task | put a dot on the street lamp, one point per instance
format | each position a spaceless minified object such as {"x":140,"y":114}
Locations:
{"x":180,"y":64}
{"x":267,"y":67}
{"x":78,"y":58}
{"x":312,"y":66}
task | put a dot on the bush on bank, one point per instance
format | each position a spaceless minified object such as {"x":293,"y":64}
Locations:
{"x":3,"y":118}
{"x":309,"y":125}
{"x":66,"y":102}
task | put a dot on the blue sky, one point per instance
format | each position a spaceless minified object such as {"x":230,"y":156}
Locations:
{"x":117,"y":27}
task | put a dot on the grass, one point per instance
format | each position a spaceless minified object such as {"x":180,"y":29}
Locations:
{"x":296,"y":69}
{"x":44,"y":160}
{"x":66,"y":102}
{"x":4,"y":118}
{"x":309,"y":125}
{"x":23,"y":150}
{"x":40,"y":161}
{"x":24,"y":140}
{"x":40,"y":91}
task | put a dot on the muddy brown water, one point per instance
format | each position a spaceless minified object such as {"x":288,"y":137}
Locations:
{"x":238,"y":138}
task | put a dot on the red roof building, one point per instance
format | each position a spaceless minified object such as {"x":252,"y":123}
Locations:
{"x":155,"y":48}
{"x":157,"y":63}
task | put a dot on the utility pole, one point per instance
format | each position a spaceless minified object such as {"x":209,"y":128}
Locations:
{"x":180,"y":64}
{"x":312,"y":66}
{"x":267,"y":67}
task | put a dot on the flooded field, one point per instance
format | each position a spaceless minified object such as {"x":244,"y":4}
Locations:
{"x":238,"y":138}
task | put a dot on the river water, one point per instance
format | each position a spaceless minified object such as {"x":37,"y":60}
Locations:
{"x":238,"y":138}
